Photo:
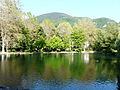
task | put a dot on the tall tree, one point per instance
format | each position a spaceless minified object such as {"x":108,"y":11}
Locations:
{"x":10,"y":19}
{"x":54,"y":43}
{"x":30,"y":32}
{"x":78,"y":37}
{"x":48,"y":28}
{"x":90,"y":29}
{"x":64,"y":31}
{"x":108,"y":39}
{"x":31,"y":23}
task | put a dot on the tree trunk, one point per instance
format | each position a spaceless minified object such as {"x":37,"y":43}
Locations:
{"x":84,"y":49}
{"x":7,"y":47}
{"x":3,"y":45}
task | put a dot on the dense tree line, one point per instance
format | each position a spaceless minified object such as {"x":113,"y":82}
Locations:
{"x":22,"y":32}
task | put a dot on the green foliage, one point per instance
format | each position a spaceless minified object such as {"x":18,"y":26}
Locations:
{"x":90,"y":29}
{"x":101,"y":22}
{"x":27,"y":51}
{"x":106,"y":39}
{"x":78,"y":49}
{"x":23,"y":32}
{"x":66,"y":42}
{"x":54,"y":43}
{"x":58,"y":18}
{"x":25,"y":42}
{"x":78,"y":37}
{"x":39,"y":44}
{"x":48,"y":28}
{"x":117,"y":43}
{"x":8,"y":50}
{"x":62,"y":17}
{"x":64,"y":31}
{"x":13,"y":50}
{"x":99,"y":44}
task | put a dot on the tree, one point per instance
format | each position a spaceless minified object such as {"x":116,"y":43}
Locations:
{"x":107,"y":38}
{"x":64,"y":31}
{"x":31,"y":33}
{"x":54,"y":43}
{"x":25,"y":42}
{"x":39,"y":44}
{"x":117,"y":42}
{"x":48,"y":28}
{"x":31,"y":23}
{"x":100,"y":40}
{"x":90,"y":29}
{"x":10,"y":20}
{"x":78,"y":37}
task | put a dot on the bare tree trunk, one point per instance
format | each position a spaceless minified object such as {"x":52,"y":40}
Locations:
{"x":84,"y":49}
{"x":3,"y":45}
{"x":7,"y":47}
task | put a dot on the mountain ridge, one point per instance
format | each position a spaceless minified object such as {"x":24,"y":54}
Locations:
{"x":57,"y":17}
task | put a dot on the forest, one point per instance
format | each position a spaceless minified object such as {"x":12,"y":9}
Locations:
{"x":22,"y":32}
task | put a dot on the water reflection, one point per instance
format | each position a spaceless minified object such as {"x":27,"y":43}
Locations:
{"x":86,"y":58}
{"x":118,"y":75}
{"x":60,"y":71}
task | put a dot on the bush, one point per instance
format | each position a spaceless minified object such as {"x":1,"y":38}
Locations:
{"x":54,"y":43}
{"x":13,"y":50}
{"x":27,"y":51}
{"x":78,"y":49}
{"x":8,"y":50}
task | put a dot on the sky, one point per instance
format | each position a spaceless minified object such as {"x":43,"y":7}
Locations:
{"x":79,"y":8}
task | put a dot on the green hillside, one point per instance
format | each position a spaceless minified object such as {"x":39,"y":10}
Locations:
{"x":61,"y":17}
{"x":57,"y":18}
{"x":101,"y":22}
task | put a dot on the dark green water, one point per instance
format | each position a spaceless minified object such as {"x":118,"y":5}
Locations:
{"x":60,"y":72}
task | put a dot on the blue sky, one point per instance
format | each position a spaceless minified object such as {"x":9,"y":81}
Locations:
{"x":81,"y":8}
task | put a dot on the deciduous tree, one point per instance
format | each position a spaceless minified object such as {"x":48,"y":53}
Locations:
{"x":10,"y":18}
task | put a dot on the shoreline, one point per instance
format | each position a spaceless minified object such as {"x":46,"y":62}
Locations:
{"x":15,"y":53}
{"x":22,"y":53}
{"x":73,"y":52}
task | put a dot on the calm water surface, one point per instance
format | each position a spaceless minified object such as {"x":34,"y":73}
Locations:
{"x":60,"y":72}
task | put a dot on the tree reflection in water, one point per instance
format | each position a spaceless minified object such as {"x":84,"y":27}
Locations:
{"x":86,"y":58}
{"x":35,"y":71}
{"x":118,"y":74}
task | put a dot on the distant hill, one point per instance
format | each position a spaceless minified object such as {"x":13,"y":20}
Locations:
{"x":101,"y":22}
{"x":57,"y":18}
{"x":62,"y":17}
{"x":52,"y":16}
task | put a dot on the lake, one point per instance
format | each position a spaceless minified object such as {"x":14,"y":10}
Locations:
{"x":60,"y":72}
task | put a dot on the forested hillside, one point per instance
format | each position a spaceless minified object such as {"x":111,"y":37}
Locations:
{"x":102,"y":22}
{"x":62,"y":17}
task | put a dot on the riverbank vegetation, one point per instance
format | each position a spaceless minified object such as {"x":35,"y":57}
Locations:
{"x":23,"y":32}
